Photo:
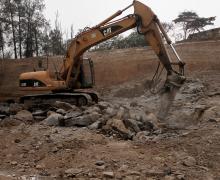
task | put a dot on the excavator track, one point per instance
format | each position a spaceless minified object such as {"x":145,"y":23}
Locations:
{"x":76,"y":98}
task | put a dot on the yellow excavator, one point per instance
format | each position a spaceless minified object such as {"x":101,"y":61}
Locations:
{"x":77,"y":74}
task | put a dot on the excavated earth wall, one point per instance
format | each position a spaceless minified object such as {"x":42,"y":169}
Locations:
{"x":117,"y":66}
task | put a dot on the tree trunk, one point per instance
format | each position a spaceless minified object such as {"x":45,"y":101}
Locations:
{"x":19,"y":29}
{"x":27,"y":52}
{"x":3,"y":53}
{"x":2,"y":41}
{"x":13,"y":33}
{"x":36,"y":42}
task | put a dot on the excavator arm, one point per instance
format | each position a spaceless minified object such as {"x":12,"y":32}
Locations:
{"x":147,"y":24}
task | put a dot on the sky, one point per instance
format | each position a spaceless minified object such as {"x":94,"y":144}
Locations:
{"x":82,"y":13}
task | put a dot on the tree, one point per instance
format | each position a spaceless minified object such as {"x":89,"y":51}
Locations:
{"x":8,"y":17}
{"x":200,"y":23}
{"x":167,"y":26}
{"x":35,"y":23}
{"x":56,"y":38}
{"x":191,"y":22}
{"x":22,"y":25}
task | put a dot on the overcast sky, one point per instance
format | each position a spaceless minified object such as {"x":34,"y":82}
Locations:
{"x":83,"y":13}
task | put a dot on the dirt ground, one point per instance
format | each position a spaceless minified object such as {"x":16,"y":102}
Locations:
{"x":188,"y":149}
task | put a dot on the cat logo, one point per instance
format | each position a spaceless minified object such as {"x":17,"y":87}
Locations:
{"x":110,"y":30}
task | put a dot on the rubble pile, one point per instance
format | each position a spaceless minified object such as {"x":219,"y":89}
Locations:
{"x":123,"y":118}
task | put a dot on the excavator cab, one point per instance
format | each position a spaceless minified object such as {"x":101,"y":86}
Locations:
{"x":87,"y":75}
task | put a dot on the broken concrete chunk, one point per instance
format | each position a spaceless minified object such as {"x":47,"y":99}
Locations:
{"x":110,"y":111}
{"x":53,"y":120}
{"x":103,"y":105}
{"x":81,"y":121}
{"x":4,"y":109}
{"x":24,"y":116}
{"x":120,"y":113}
{"x":119,"y":126}
{"x":142,"y":136}
{"x":108,"y":174}
{"x":72,"y":114}
{"x":189,"y":161}
{"x":72,"y":172}
{"x":95,"y":125}
{"x":132,"y":124}
{"x":64,"y":105}
{"x":61,"y":111}
{"x":14,"y":108}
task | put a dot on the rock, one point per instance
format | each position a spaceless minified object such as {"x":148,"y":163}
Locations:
{"x":24,"y":116}
{"x":92,"y":109}
{"x":44,"y":173}
{"x":194,"y":86}
{"x":181,"y":177}
{"x":17,"y":140}
{"x":53,"y":120}
{"x":14,"y":163}
{"x":133,"y":104}
{"x":39,"y":166}
{"x":103,"y":105}
{"x":101,"y":167}
{"x":14,"y":108}
{"x":55,"y":149}
{"x":135,"y":114}
{"x":108,"y":174}
{"x":142,"y":136}
{"x":150,"y":117}
{"x":82,"y":121}
{"x":110,"y":111}
{"x":39,"y":113}
{"x":167,"y":170}
{"x":20,"y":170}
{"x":132,"y":124}
{"x":4,"y":109}
{"x":211,"y":113}
{"x":39,"y":118}
{"x":120,"y":113}
{"x":95,"y":125}
{"x":123,"y":168}
{"x":103,"y":120}
{"x":9,"y":121}
{"x":100,"y":163}
{"x":189,"y":161}
{"x":73,"y":172}
{"x":61,"y":111}
{"x":64,"y":105}
{"x":94,"y":116}
{"x":73,"y":114}
{"x":119,"y":126}
{"x":2,"y":116}
{"x":135,"y":173}
{"x":169,"y":178}
{"x":50,"y":112}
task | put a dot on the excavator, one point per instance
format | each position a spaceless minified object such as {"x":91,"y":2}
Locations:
{"x":71,"y":84}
